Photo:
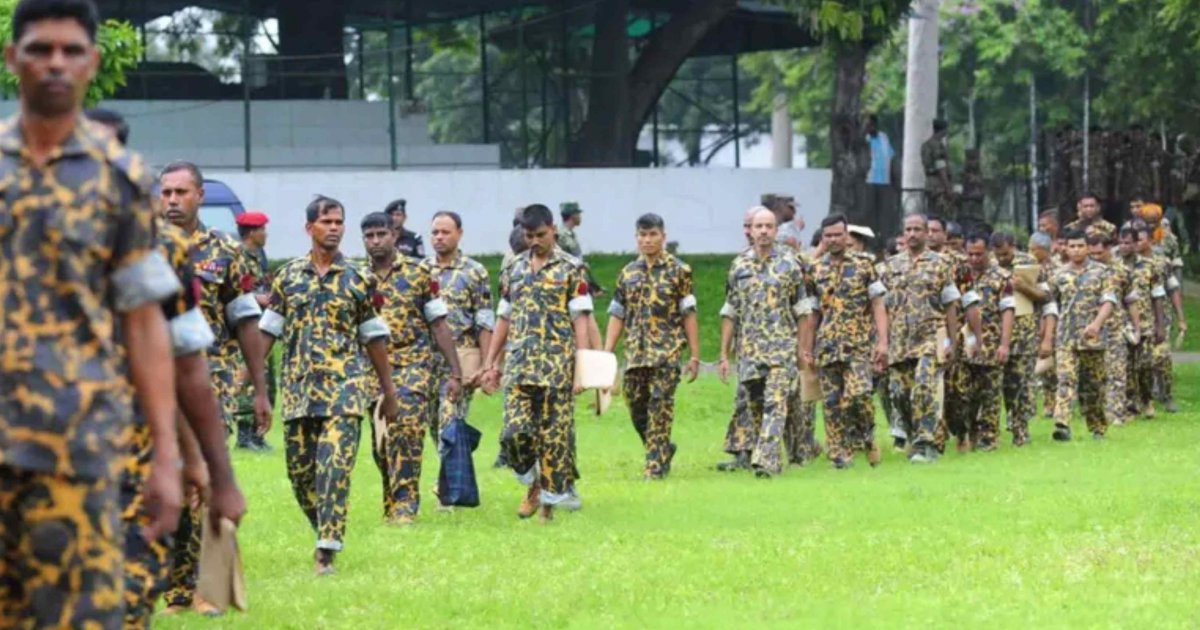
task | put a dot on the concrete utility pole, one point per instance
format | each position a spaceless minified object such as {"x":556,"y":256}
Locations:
{"x":921,"y":96}
{"x":781,"y":133}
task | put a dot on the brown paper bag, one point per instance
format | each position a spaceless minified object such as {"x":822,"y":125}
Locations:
{"x":1044,"y":366}
{"x":810,"y":385}
{"x":595,"y":369}
{"x":470,"y":360}
{"x":221,"y":582}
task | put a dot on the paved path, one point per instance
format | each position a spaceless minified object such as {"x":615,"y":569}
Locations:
{"x":1187,"y":357}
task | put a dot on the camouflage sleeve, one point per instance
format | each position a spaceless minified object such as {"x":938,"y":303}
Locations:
{"x":1008,"y":301}
{"x":139,"y":274}
{"x":370,"y":325}
{"x":874,"y":282}
{"x":616,"y":307}
{"x":504,"y":308}
{"x":275,"y":316}
{"x":190,"y":332}
{"x":949,"y":281}
{"x":1110,"y":289}
{"x":581,"y":304}
{"x":805,"y":301}
{"x":481,"y":300}
{"x":433,"y":305}
{"x":686,"y":291}
{"x":729,"y":309}
{"x":237,"y":292}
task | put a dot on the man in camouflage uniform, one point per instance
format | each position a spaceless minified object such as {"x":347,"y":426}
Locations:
{"x":544,"y":311}
{"x":927,"y":301}
{"x":1119,"y":331}
{"x":989,"y":306}
{"x":1042,"y":247}
{"x":1165,"y":272}
{"x":464,"y":287}
{"x":252,"y":231}
{"x":847,"y":307}
{"x":1150,"y":293}
{"x":653,"y":301}
{"x":572,"y":217}
{"x":1084,"y":295}
{"x":955,"y":374}
{"x":77,"y":264}
{"x":1019,"y":379}
{"x":764,"y":300}
{"x":407,"y":298}
{"x":939,"y":187}
{"x":227,"y":278}
{"x":738,"y":439}
{"x":1090,"y":222}
{"x":322,"y":309}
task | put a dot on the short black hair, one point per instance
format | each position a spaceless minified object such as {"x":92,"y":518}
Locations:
{"x":30,"y":11}
{"x":651,"y":221}
{"x":536,"y":216}
{"x":977,"y":237}
{"x":453,"y":216}
{"x":1130,"y":232}
{"x":940,"y":124}
{"x":397,"y":206}
{"x":376,"y":220}
{"x":112,"y":119}
{"x":815,"y":241}
{"x":892,"y":246}
{"x":1090,"y":195}
{"x":935,"y":218}
{"x":1049,"y":214}
{"x":183,"y":165}
{"x":246,"y":230}
{"x":834,"y":219}
{"x":320,"y":206}
{"x":1074,"y":235}
{"x":1003,"y":239}
{"x":953,"y":230}
{"x":1097,"y":239}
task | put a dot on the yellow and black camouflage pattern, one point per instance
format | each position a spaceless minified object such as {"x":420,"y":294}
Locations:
{"x":466,"y":290}
{"x":991,"y":291}
{"x":916,"y":312}
{"x":1098,"y":227}
{"x":320,"y":456}
{"x":538,"y":440}
{"x":650,"y":393}
{"x":1078,"y":295}
{"x":765,"y":299}
{"x":651,"y":299}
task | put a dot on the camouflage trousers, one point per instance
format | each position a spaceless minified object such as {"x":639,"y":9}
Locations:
{"x":185,"y":559}
{"x":799,"y":432}
{"x":768,"y":405}
{"x":399,"y":453}
{"x":1019,"y":400}
{"x":650,"y":393}
{"x":147,"y":563}
{"x":1162,"y":370}
{"x":979,"y":417}
{"x":885,"y":401}
{"x":226,"y":388}
{"x":849,"y":410}
{"x":1140,"y":377}
{"x":1049,"y":393}
{"x":1080,"y":373}
{"x":539,"y":439}
{"x":1116,"y":381}
{"x":917,"y":397}
{"x":320,"y":456}
{"x":940,"y":201}
{"x":60,"y":550}
{"x":956,"y":391}
{"x":739,"y":437}
{"x":243,"y":404}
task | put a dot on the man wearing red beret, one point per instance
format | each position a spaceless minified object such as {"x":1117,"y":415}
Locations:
{"x":252,"y":229}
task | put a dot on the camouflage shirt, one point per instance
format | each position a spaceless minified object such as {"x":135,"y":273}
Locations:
{"x":408,"y":302}
{"x":1078,"y":295}
{"x":1099,"y":227}
{"x":1115,"y":325}
{"x":1025,"y":337}
{"x":76,"y":249}
{"x":1168,"y":248}
{"x":228,"y":278}
{"x":765,"y":299}
{"x":934,"y":159}
{"x":843,"y":288}
{"x":465,"y":288}
{"x":321,"y":321}
{"x":652,"y":300}
{"x":541,"y":308}
{"x":990,"y":291}
{"x":923,"y":287}
{"x":1146,"y":287}
{"x":569,"y":243}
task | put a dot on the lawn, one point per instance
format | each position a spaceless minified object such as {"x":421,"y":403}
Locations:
{"x":1083,"y":534}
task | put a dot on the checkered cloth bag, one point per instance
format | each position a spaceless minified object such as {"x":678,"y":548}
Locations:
{"x":456,"y":479}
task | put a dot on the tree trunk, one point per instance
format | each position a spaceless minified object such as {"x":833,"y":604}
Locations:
{"x":311,"y":30}
{"x":849,"y":152}
{"x":614,"y":119}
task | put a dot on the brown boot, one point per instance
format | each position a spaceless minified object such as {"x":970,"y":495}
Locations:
{"x":964,"y":445}
{"x":529,"y":505}
{"x":873,"y":455}
{"x":547,"y":514}
{"x":324,"y":563}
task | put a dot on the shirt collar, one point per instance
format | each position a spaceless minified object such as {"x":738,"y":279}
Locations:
{"x":81,"y":140}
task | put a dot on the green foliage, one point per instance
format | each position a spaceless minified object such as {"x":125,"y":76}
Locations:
{"x":120,"y":49}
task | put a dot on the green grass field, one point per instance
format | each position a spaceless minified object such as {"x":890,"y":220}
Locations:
{"x":1054,"y":535}
{"x":1083,"y":534}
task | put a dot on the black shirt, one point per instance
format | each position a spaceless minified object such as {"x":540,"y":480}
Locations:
{"x":410,"y":244}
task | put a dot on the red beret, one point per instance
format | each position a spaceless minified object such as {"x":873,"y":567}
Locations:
{"x":252,"y":219}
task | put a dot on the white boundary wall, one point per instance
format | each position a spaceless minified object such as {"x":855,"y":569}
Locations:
{"x":703,"y":208}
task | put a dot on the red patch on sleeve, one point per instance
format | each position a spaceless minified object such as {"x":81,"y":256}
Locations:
{"x":434,"y":287}
{"x":582,"y":290}
{"x":1008,"y":288}
{"x":196,"y":289}
{"x":247,"y":283}
{"x":377,"y":300}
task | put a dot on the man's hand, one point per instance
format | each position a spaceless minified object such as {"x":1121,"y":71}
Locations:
{"x":196,"y":481}
{"x":164,"y":498}
{"x":1045,"y":351}
{"x":1092,"y":331}
{"x":263,"y":299}
{"x":390,"y":407}
{"x":880,"y":357}
{"x":723,"y":370}
{"x":692,"y":369}
{"x":577,"y":389}
{"x":1160,"y":334}
{"x":262,"y":413}
{"x":1002,"y":355}
{"x":454,"y":388}
{"x":490,"y":381}
{"x":226,"y":502}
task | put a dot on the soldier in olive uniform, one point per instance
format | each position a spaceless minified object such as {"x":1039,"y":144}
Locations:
{"x":77,"y":262}
{"x":764,"y":300}
{"x":227,"y":279}
{"x":738,"y":439}
{"x":407,"y":298}
{"x":939,"y":186}
{"x":408,"y":242}
{"x":252,"y":230}
{"x":1148,"y":304}
{"x":543,"y":317}
{"x":323,"y":308}
{"x":972,"y":213}
{"x":1084,"y":295}
{"x":1165,"y":272}
{"x":989,"y":306}
{"x":1019,"y":380}
{"x":847,"y":308}
{"x":927,"y":302}
{"x":654,"y":306}
{"x":1090,"y":222}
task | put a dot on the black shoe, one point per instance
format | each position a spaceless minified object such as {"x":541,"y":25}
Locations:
{"x":842,"y":464}
{"x":1098,"y":436}
{"x":763,"y":474}
{"x":1062,"y":434}
{"x":501,"y":461}
{"x":259,"y":444}
{"x":899,"y":443}
{"x":1020,"y":441}
{"x":666,"y":467}
{"x":740,"y":461}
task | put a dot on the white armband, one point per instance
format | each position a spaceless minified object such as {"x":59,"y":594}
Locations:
{"x":372,"y":329}
{"x":687,"y":304}
{"x":244,"y":307}
{"x":950,"y":294}
{"x":616,"y":309}
{"x":190,"y":333}
{"x":1008,"y":303}
{"x":435,"y":309}
{"x":970,"y":298}
{"x":580,"y":306}
{"x":727,"y":311}
{"x":503,"y":309}
{"x":271,"y":323}
{"x":150,"y":279}
{"x":876,"y":290}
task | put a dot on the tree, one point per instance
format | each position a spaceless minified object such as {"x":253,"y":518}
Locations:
{"x":120,"y":50}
